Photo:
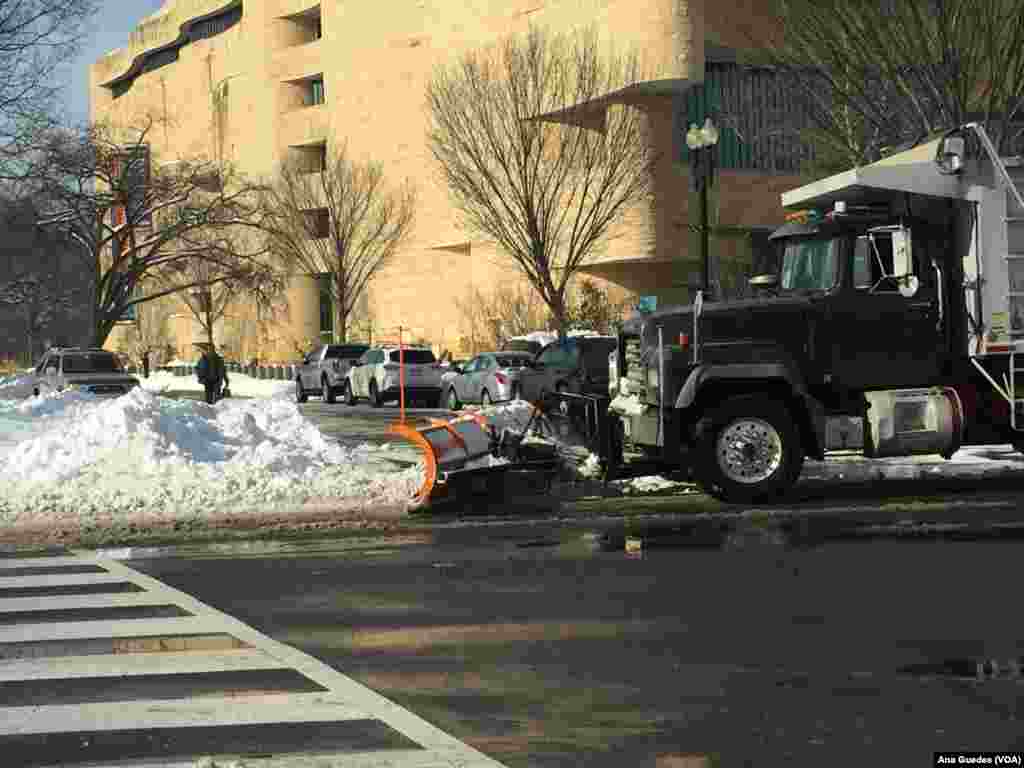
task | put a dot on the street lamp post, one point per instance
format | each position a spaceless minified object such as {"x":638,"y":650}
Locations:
{"x":702,"y":142}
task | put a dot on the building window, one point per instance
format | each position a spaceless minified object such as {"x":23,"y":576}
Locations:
{"x":323,"y":282}
{"x":315,"y":91}
{"x":211,"y":27}
{"x":318,"y":223}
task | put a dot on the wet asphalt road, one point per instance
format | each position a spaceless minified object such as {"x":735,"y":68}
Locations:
{"x":541,"y":648}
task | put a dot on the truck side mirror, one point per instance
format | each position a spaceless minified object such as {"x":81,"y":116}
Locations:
{"x":950,"y":155}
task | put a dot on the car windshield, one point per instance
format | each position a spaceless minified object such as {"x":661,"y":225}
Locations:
{"x":514,"y":361}
{"x":97,"y":363}
{"x":414,"y":356}
{"x":810,"y":264}
{"x":345,"y":352}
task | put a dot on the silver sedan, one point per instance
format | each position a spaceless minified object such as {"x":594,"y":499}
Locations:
{"x":488,"y":378}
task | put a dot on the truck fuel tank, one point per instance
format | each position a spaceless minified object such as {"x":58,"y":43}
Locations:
{"x":905,"y":422}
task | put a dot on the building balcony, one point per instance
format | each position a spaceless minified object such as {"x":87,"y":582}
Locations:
{"x":302,"y":125}
{"x":293,"y":62}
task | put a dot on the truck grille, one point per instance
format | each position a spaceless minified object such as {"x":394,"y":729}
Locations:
{"x":634,"y":365}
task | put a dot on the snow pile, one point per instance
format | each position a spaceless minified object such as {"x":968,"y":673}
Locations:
{"x":72,"y":453}
{"x":17,"y":386}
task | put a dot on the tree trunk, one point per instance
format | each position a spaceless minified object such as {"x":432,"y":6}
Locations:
{"x":561,"y":315}
{"x":341,"y":324}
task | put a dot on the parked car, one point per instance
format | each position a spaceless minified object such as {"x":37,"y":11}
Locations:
{"x":376,"y":377}
{"x":577,"y":364}
{"x":86,"y":369}
{"x":323,"y":370}
{"x":488,"y":378}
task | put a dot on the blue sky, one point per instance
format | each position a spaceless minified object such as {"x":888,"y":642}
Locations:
{"x":109,"y":29}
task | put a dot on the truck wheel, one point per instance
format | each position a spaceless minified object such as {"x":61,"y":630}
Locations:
{"x":346,"y":392}
{"x":300,"y":393}
{"x":748,"y":450}
{"x":330,"y":395}
{"x":375,"y":400}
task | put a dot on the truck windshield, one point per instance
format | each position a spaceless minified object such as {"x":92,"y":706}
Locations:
{"x":810,"y":264}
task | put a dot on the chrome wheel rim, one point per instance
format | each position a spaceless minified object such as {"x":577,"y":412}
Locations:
{"x":749,"y":450}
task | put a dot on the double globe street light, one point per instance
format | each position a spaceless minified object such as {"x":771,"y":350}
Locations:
{"x":701,"y":142}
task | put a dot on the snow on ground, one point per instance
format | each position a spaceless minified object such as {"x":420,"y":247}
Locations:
{"x":241,"y":385}
{"x":72,"y":454}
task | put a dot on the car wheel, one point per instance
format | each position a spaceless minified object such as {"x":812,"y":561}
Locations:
{"x":330,"y":395}
{"x":375,"y":400}
{"x":453,"y":400}
{"x":748,"y":449}
{"x":485,"y":398}
{"x":300,"y":393}
{"x":350,"y":398}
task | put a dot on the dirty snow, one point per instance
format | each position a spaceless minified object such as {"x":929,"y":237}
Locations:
{"x":74,"y":454}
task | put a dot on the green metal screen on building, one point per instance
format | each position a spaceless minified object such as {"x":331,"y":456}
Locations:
{"x":759,"y":118}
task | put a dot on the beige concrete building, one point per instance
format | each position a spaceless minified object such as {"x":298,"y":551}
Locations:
{"x":254,"y":81}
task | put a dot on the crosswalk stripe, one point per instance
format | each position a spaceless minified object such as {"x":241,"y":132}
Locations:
{"x":130,"y":664}
{"x":71,"y":602}
{"x":93,"y":630}
{"x":19,"y":582}
{"x":177,"y":713}
{"x":10,"y":563}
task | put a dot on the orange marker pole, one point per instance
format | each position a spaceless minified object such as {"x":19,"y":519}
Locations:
{"x":401,"y":375}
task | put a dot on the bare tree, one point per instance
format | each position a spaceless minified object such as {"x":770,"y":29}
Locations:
{"x":39,"y":300}
{"x":36,"y":38}
{"x":217,"y":289}
{"x":884,"y":73}
{"x":133,"y":219}
{"x":594,"y":308}
{"x":546,"y":191}
{"x":489,"y":318}
{"x":338,"y":219}
{"x":150,"y":336}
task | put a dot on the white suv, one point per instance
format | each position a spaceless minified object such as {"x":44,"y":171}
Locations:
{"x":86,"y":369}
{"x":375,"y":377}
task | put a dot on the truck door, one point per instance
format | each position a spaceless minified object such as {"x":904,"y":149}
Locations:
{"x":886,"y":330}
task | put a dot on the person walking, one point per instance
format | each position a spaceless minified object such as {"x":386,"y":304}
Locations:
{"x":211,"y":372}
